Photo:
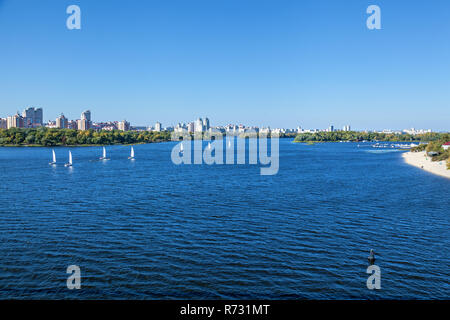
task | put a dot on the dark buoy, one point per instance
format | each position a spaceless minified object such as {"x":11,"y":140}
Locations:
{"x":371,"y":257}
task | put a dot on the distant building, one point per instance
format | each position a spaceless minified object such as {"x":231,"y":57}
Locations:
{"x":190,"y":127}
{"x":51,"y":124}
{"x":87,"y":121}
{"x":3,"y":123}
{"x":413,"y":131}
{"x":330,"y":129}
{"x":198,"y":125}
{"x":123,"y":125}
{"x":157,"y":126}
{"x":86,"y":115}
{"x":32,"y":117}
{"x":62,"y":122}
{"x":72,"y":124}
{"x":15,"y":121}
{"x":83,"y":124}
{"x":346,"y":128}
{"x":446,"y":145}
{"x":206,"y":124}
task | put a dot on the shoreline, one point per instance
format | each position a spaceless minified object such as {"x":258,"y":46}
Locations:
{"x":418,"y":159}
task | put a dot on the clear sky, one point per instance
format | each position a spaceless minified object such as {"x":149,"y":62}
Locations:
{"x":258,"y":62}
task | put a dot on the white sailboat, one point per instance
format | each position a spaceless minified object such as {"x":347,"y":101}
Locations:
{"x":131,"y":157}
{"x":104,"y":155}
{"x":181,"y":148}
{"x":69,"y":164}
{"x":54,"y":158}
{"x":209,"y":145}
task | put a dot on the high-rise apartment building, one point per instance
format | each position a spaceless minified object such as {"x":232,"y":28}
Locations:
{"x":62,"y":122}
{"x":157,"y":126}
{"x":86,"y":115}
{"x":15,"y":121}
{"x":123,"y":125}
{"x":85,"y":122}
{"x":206,"y":124}
{"x":38,"y":117}
{"x":32,"y":117}
{"x":3,"y":123}
{"x":72,"y":124}
{"x":199,"y":125}
{"x":190,"y":127}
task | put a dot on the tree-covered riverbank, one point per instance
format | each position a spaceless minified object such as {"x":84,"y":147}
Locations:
{"x":67,"y":137}
{"x":46,"y":137}
{"x":336,"y":136}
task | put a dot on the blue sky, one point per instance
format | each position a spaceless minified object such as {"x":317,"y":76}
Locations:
{"x":257,"y":62}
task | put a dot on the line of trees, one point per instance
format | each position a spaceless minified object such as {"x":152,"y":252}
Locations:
{"x":68,"y":137}
{"x":369,"y":136}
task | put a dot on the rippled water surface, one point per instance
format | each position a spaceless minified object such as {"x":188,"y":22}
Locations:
{"x":149,"y":229}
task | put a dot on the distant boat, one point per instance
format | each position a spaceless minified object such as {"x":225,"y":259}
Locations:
{"x":131,"y":157}
{"x":181,"y":148}
{"x":104,"y":154}
{"x":69,"y":164}
{"x":209,"y":145}
{"x":54,"y":158}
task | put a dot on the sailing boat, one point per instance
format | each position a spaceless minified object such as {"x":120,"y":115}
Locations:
{"x":54,"y":158}
{"x":104,"y":155}
{"x":209,"y":145}
{"x":69,"y":164}
{"x":181,"y":148}
{"x":131,"y":157}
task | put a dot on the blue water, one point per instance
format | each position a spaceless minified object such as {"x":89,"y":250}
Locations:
{"x":149,"y":229}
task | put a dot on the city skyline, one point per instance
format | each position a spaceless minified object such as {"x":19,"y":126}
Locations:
{"x":33,"y":117}
{"x":272,"y":64}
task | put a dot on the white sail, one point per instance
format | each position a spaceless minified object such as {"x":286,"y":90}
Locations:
{"x":70,"y":157}
{"x":132,"y":152}
{"x":181,"y":147}
{"x":209,"y":145}
{"x":104,"y":153}
{"x":54,"y":156}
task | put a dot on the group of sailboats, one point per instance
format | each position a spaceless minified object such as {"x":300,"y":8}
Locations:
{"x":103,"y":157}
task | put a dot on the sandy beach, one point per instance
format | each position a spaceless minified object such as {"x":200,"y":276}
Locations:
{"x":419,"y":160}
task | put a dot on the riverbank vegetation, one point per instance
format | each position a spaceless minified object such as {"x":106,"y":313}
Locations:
{"x":68,"y":137}
{"x":435,"y":148}
{"x":356,"y":136}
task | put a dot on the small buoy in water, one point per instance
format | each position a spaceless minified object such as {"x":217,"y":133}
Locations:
{"x":371,"y":257}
